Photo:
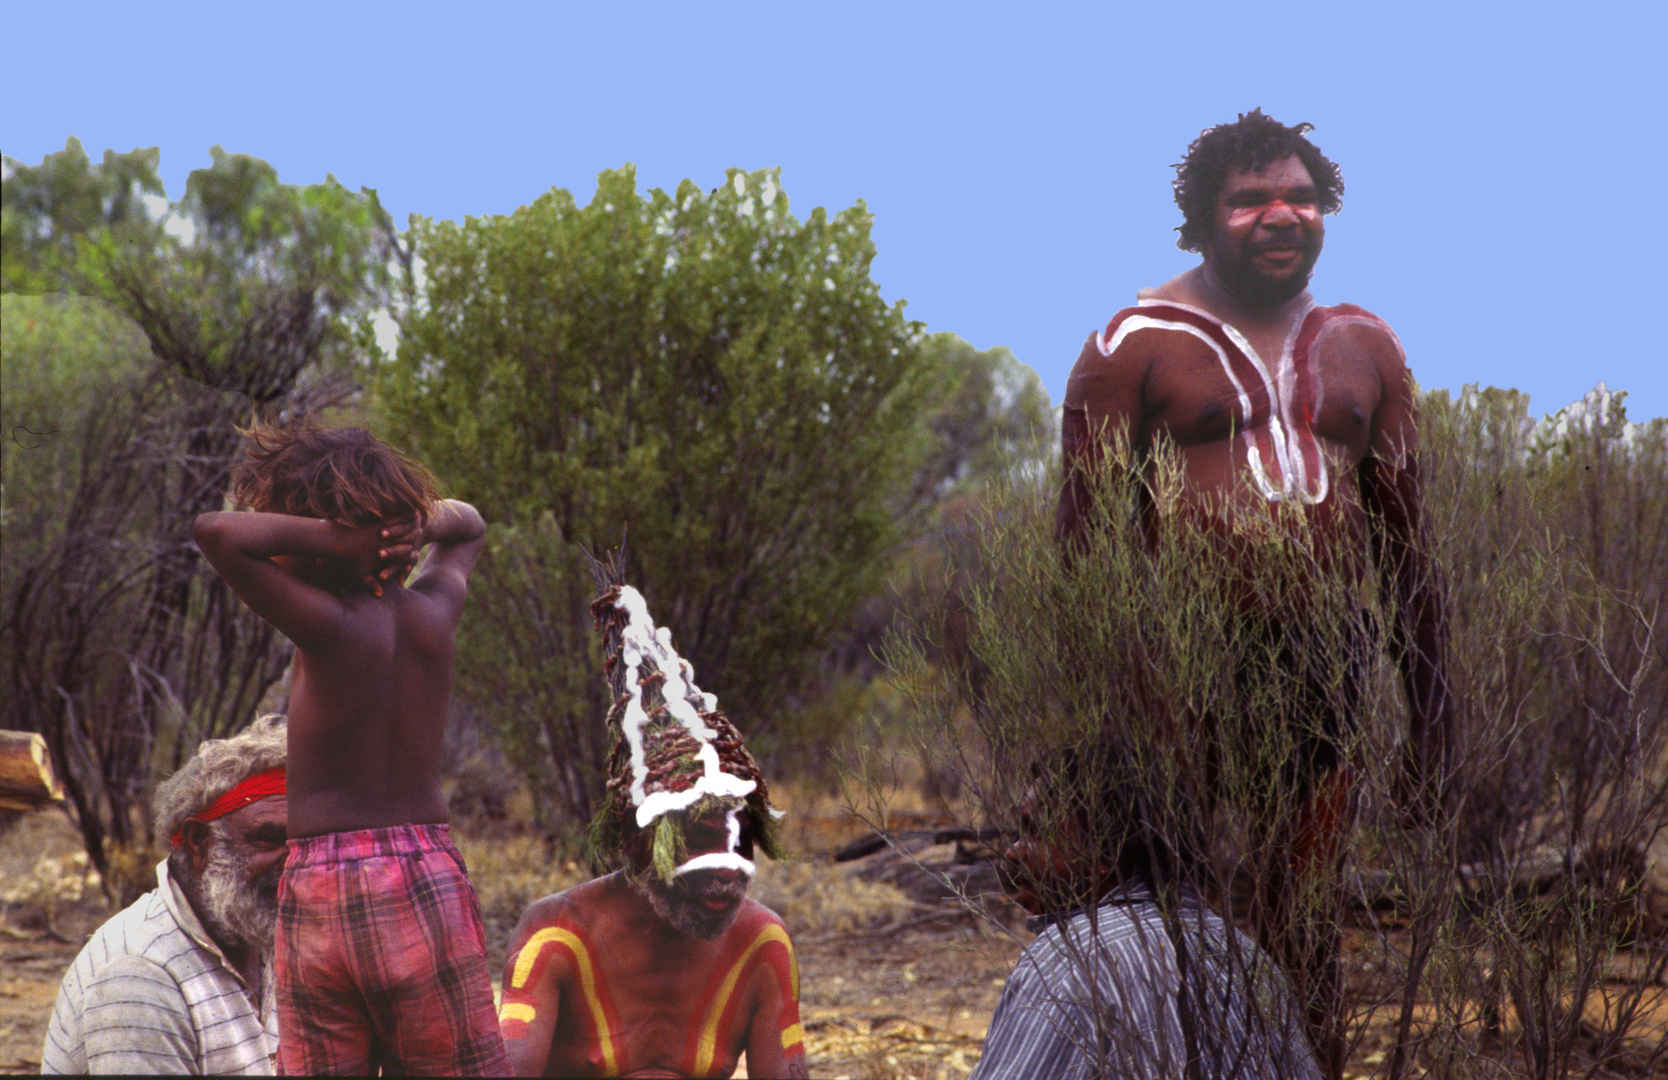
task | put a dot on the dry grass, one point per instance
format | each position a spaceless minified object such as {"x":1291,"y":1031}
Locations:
{"x":45,"y":871}
{"x":509,"y":872}
{"x":512,"y":868}
{"x":817,"y":899}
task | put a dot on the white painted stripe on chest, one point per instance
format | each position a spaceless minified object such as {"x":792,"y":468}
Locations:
{"x":1281,"y":387}
{"x":1283,"y":423}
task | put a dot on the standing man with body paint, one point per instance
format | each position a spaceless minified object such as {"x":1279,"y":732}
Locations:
{"x":1287,"y":420}
{"x":663,"y":968}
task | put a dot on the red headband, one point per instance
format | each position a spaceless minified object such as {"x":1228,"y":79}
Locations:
{"x":254,"y":789}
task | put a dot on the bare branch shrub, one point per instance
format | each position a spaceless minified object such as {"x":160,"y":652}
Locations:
{"x":121,"y":646}
{"x":1170,"y":661}
{"x":1512,"y":934}
{"x":1553,"y":536}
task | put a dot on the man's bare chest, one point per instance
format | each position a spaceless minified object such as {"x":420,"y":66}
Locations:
{"x":1289,"y":419}
{"x":642,"y":1009}
{"x":1196,"y":395}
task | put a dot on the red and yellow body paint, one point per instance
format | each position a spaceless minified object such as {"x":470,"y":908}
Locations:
{"x":769,"y":946}
{"x":519,"y":1009}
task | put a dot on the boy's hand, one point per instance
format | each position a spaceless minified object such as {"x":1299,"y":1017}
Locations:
{"x":400,"y":544}
{"x":360,"y":547}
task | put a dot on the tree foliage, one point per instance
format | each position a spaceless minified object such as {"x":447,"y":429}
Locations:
{"x":248,"y":296}
{"x":701,"y":373}
{"x":995,"y":421}
{"x":46,"y":208}
{"x":994,"y":424}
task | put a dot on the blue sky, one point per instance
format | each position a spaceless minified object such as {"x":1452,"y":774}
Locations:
{"x":1499,"y":159}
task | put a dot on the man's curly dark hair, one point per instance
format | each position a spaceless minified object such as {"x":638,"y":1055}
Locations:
{"x":1252,"y":142}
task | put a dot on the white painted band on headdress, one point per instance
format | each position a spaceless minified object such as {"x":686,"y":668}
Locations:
{"x":640,"y":640}
{"x":664,"y":802}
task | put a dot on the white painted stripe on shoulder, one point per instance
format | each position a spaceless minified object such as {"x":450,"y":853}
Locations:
{"x":1147,"y":322}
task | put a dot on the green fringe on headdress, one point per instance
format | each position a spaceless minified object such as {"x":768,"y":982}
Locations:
{"x":604,"y":837}
{"x":609,"y":828}
{"x":668,"y":847}
{"x":767,"y":832}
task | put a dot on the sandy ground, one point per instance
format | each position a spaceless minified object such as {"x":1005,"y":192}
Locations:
{"x":39,"y":937}
{"x":912,"y":1003}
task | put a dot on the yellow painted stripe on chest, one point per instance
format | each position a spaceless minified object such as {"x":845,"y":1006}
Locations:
{"x":707,"y":1049}
{"x":575,"y":944}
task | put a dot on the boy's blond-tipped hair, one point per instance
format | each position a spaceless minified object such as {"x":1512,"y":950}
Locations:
{"x":342,"y":474}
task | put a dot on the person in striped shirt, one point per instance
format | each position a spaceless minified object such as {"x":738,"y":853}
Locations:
{"x":665,"y":967}
{"x":181,"y":981}
{"x":1132,"y":975}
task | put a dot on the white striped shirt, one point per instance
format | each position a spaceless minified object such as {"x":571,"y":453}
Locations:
{"x":152,"y":993}
{"x":1055,"y":1021}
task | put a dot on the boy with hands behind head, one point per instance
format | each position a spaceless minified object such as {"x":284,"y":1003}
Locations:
{"x":381,"y":958}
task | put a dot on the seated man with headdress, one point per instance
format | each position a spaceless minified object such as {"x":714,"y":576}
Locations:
{"x":665,"y":967}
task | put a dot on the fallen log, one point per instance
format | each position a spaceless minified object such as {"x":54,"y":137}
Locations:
{"x":913,"y":840}
{"x":26,"y":778}
{"x":921,"y":864}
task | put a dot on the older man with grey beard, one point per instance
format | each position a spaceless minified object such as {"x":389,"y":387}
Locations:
{"x":181,"y":981}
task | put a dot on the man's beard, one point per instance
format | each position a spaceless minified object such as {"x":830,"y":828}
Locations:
{"x":235,"y":908}
{"x":1241,"y":277}
{"x":680,"y":903}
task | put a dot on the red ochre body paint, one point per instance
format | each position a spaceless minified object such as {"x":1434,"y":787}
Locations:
{"x":603,"y":1019}
{"x":763,"y":942}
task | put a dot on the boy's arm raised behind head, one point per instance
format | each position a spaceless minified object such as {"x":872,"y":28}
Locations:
{"x":458,"y":534}
{"x":241,"y":545}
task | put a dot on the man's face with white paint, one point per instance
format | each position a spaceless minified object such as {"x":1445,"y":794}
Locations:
{"x":1266,"y":233}
{"x":705,"y":896}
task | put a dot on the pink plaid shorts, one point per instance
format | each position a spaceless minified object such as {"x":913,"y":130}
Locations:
{"x":381,"y":958}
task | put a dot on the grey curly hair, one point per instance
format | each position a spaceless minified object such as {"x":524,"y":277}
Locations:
{"x":218,"y":766}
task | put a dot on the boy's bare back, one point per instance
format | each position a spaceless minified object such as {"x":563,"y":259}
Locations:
{"x":372,"y":679}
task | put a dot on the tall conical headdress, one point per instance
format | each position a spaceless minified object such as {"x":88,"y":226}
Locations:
{"x":673,"y":749}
